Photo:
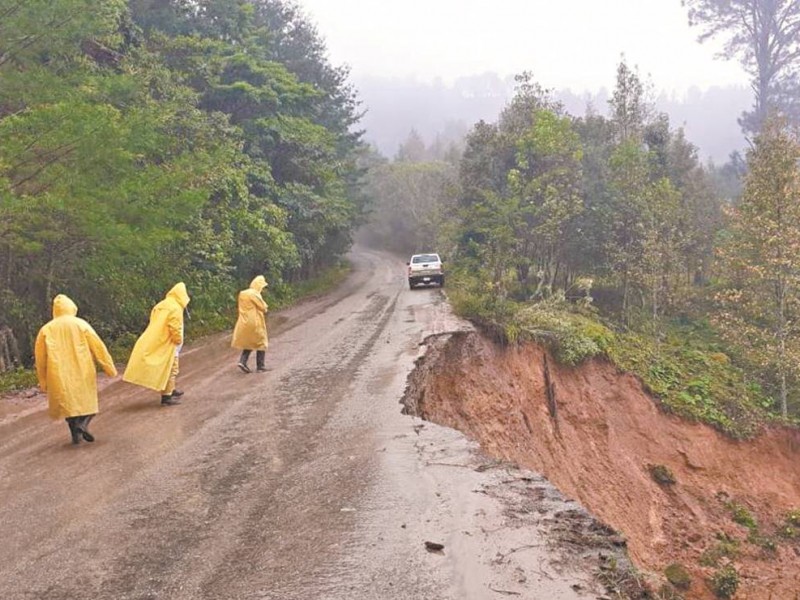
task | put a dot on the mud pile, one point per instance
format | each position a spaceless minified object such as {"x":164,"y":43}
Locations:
{"x":597,"y":435}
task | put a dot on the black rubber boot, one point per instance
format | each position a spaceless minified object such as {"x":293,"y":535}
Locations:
{"x":177,"y":394}
{"x":169,"y":401}
{"x":74,"y":431}
{"x":82,"y":425}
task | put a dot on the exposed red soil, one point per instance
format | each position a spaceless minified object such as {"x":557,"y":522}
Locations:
{"x":595,"y":438}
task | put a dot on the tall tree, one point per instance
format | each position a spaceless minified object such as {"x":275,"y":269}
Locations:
{"x":546,"y":185}
{"x":413,"y":149}
{"x":765,"y":36}
{"x":629,"y":105}
{"x":760,"y":309}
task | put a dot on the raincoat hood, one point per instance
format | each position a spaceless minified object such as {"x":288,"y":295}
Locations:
{"x":258,"y":284}
{"x":180,"y":294}
{"x":63,"y":306}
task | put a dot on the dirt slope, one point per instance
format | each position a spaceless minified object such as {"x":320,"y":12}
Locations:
{"x":594,"y":438}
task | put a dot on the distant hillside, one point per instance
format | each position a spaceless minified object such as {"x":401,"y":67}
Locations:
{"x":395,"y":106}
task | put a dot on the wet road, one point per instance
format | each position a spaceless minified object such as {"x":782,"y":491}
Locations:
{"x":304,"y":482}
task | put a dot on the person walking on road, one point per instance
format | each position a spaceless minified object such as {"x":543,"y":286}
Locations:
{"x":250,"y":332}
{"x":154,"y":362}
{"x":66,"y":351}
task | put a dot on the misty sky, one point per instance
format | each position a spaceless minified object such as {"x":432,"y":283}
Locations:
{"x":566,"y":43}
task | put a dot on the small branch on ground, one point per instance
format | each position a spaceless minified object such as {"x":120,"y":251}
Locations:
{"x":505,"y":592}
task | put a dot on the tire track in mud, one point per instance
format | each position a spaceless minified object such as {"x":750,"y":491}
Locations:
{"x":303,"y":417}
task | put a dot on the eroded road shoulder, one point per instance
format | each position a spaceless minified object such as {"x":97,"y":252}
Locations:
{"x":305,"y":482}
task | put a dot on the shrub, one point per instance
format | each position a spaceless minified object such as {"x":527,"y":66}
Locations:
{"x":725,"y":582}
{"x":662,"y":475}
{"x":678,"y":576}
{"x":742,"y":516}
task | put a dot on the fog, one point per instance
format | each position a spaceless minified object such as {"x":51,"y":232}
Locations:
{"x":419,"y":63}
{"x":395,"y":106}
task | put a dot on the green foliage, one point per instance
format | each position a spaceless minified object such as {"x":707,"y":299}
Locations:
{"x":725,"y":582}
{"x":691,"y":377}
{"x":686,"y":370}
{"x":572,"y":337}
{"x":758,"y":305}
{"x":410,"y":204}
{"x":742,"y":515}
{"x":767,"y":543}
{"x":546,"y":201}
{"x":316,"y":286}
{"x":793,"y":518}
{"x":678,"y":576}
{"x":18,"y":379}
{"x":164,"y":144}
{"x":790,"y":528}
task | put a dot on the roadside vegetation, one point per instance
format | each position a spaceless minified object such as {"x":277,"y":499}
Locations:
{"x":605,"y":236}
{"x":145,"y":143}
{"x":22,"y":378}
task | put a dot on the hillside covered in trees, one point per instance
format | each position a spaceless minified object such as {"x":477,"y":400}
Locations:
{"x":606,"y":235}
{"x":148,"y":142}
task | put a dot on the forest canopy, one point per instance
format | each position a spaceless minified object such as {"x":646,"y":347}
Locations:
{"x":148,"y":142}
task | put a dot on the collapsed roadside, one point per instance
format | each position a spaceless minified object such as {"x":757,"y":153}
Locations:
{"x":702,"y":513}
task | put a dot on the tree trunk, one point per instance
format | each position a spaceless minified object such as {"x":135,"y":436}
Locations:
{"x":782,"y":347}
{"x":9,"y":350}
{"x":784,"y":394}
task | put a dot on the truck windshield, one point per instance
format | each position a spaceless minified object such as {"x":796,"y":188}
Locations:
{"x":425,"y":258}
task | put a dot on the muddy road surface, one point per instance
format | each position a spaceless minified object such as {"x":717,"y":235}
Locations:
{"x":304,"y":482}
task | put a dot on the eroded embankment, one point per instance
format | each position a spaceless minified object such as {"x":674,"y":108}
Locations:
{"x":595,"y":433}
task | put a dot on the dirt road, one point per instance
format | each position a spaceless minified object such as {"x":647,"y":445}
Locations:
{"x":305,"y":482}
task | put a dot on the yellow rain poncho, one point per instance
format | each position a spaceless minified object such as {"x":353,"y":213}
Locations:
{"x":66,"y":351}
{"x":152,"y":357}
{"x":250,"y":332}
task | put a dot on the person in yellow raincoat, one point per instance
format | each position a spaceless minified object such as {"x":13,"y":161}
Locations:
{"x":66,"y":351}
{"x":250,"y":332}
{"x":154,"y":361}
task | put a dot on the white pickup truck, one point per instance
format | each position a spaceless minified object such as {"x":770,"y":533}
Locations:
{"x":425,"y":269}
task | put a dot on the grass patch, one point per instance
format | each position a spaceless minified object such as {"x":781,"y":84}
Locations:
{"x":767,"y":543}
{"x":316,"y":286}
{"x":790,"y":528}
{"x":793,"y":518}
{"x":692,"y":377}
{"x":741,"y":515}
{"x":18,"y":379}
